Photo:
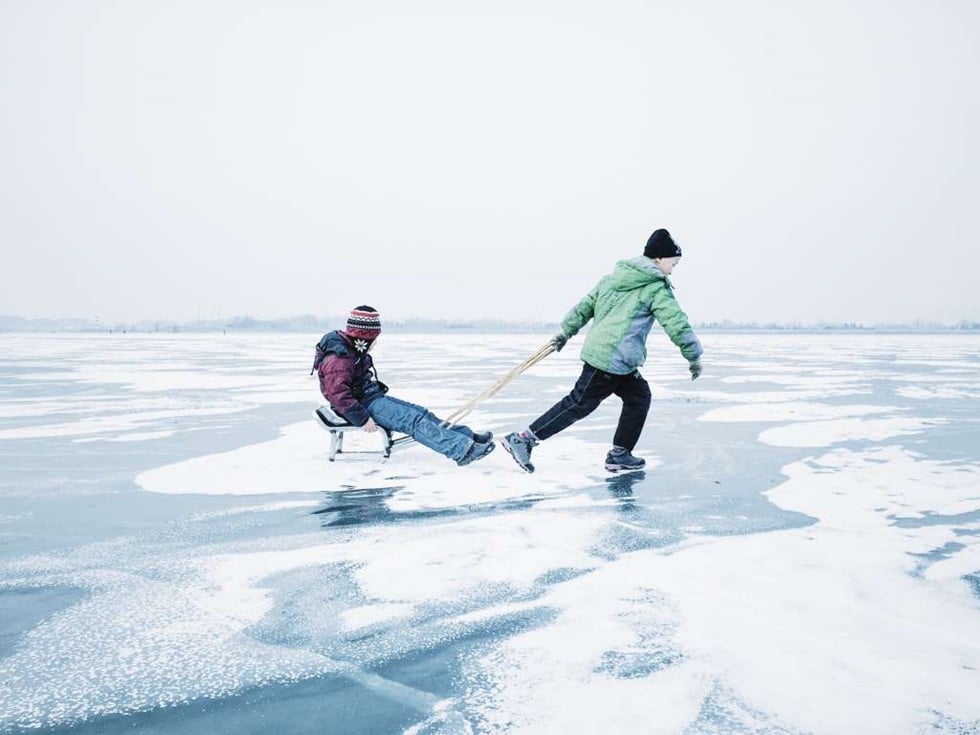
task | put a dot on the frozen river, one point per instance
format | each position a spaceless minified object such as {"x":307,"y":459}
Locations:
{"x":801,"y":554}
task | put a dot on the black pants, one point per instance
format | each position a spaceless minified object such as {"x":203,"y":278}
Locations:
{"x":592,"y":388}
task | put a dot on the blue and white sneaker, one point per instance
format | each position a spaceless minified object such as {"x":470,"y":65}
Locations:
{"x":519,"y":447}
{"x":620,"y":459}
{"x":477,"y":451}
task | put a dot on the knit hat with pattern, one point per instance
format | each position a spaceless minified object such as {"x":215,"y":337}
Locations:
{"x":364,"y":322}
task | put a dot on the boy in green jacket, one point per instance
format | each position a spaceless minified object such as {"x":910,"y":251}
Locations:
{"x":623,"y":307}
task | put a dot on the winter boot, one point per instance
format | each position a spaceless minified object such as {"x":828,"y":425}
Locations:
{"x":477,"y":451}
{"x":519,"y":447}
{"x":620,"y":459}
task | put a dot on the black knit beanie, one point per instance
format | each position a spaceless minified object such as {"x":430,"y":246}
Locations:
{"x":661,"y":245}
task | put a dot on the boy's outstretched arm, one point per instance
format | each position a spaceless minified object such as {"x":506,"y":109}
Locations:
{"x":668,"y":312}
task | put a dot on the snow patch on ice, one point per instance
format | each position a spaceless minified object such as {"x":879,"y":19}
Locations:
{"x":659,"y":634}
{"x":262,"y":508}
{"x":928,"y":393}
{"x":825,"y":433}
{"x":296,"y":462}
{"x":792,"y":411}
{"x":355,"y":618}
{"x":141,"y":436}
{"x":133,"y":421}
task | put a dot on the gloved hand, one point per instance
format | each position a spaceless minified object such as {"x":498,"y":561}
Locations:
{"x":695,"y":368}
{"x":558,"y":341}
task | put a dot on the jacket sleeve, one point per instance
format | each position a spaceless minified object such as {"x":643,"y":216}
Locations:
{"x":668,"y":312}
{"x":580,"y":314}
{"x":336,"y":384}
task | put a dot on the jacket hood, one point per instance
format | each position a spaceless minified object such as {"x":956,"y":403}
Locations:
{"x":330,"y":343}
{"x":635,"y":273}
{"x":336,"y":343}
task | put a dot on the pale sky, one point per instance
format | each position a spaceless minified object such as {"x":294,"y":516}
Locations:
{"x":193,"y":159}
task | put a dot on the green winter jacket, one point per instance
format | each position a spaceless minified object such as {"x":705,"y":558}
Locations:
{"x":624,"y":306}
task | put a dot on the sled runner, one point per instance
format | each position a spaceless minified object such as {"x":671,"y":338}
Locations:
{"x":338,"y":426}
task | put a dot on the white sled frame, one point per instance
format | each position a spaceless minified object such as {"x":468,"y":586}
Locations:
{"x":337,"y":427}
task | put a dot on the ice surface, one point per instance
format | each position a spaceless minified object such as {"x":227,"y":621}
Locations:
{"x":796,"y":558}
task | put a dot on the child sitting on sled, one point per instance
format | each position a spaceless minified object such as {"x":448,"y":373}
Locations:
{"x":349,"y":381}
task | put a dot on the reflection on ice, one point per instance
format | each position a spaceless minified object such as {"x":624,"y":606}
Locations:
{"x":373,"y":505}
{"x":620,"y":486}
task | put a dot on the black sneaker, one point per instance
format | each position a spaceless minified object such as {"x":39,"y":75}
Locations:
{"x":519,"y":447}
{"x":483,"y":436}
{"x":620,"y":459}
{"x":478,"y":451}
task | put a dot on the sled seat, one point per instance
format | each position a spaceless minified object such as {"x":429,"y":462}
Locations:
{"x":338,"y":426}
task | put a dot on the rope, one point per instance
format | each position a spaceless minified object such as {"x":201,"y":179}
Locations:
{"x":456,"y":416}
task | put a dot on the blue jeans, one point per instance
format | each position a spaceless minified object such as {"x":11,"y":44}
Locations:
{"x":422,"y":425}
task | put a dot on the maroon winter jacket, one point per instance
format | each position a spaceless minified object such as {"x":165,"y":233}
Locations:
{"x":348,"y":379}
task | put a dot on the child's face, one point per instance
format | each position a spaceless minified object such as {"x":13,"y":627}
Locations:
{"x":667,"y":265}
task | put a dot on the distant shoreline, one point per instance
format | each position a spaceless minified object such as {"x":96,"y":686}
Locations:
{"x":307,"y":325}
